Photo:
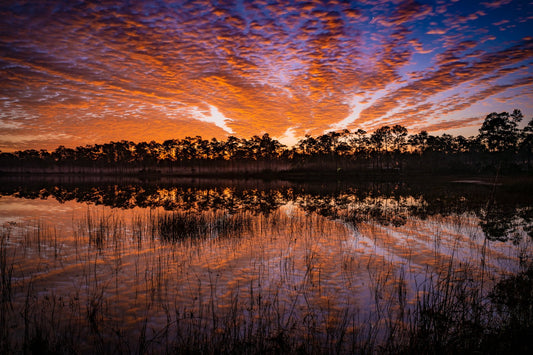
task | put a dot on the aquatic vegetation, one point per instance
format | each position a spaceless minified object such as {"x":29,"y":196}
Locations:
{"x":183,"y":225}
{"x":319,"y":274}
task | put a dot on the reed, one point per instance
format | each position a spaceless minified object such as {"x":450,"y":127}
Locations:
{"x":192,"y":225}
{"x":6,"y":306}
{"x":163,"y":282}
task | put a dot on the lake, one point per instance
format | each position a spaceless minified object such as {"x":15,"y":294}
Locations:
{"x":248,"y":266}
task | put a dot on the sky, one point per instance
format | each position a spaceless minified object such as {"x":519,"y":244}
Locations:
{"x":86,"y":72}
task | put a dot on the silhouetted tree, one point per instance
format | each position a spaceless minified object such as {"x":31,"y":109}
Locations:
{"x":499,"y":131}
{"x":399,"y":138}
{"x":360,"y":142}
{"x":526,"y":143}
{"x":498,"y":142}
{"x":169,"y":148}
{"x":307,"y":145}
{"x":419,"y":141}
{"x":216,"y":149}
{"x":381,"y":141}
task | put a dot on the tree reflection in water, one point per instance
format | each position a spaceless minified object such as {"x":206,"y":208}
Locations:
{"x":275,"y":267}
{"x":504,"y":211}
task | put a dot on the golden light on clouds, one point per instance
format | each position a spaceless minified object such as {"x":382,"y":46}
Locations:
{"x":78,"y":73}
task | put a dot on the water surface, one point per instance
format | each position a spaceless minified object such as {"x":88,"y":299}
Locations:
{"x":160,"y":266}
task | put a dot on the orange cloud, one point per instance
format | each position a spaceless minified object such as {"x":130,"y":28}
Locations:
{"x":110,"y":71}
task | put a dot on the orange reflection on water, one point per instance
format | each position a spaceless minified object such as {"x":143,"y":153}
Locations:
{"x":287,"y":268}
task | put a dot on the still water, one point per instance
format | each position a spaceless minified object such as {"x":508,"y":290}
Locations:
{"x":132,"y":266}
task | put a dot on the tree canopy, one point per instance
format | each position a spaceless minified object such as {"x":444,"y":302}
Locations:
{"x":499,"y":134}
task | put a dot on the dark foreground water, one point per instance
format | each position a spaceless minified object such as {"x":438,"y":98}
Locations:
{"x":248,"y":266}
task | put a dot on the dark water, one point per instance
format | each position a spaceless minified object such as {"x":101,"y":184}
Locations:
{"x":137,"y":266}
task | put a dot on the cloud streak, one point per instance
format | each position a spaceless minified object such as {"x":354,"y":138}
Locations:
{"x":152,"y":71}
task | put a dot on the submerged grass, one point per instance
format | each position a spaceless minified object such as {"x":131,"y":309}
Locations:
{"x":133,"y":300}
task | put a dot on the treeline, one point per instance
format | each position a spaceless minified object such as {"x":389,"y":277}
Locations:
{"x":499,"y":144}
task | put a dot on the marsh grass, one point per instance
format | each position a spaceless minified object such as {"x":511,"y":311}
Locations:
{"x":210,"y":282}
{"x":6,"y":306}
{"x":192,"y":225}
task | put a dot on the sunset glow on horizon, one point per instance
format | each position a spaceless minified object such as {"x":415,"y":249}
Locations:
{"x":80,"y":72}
